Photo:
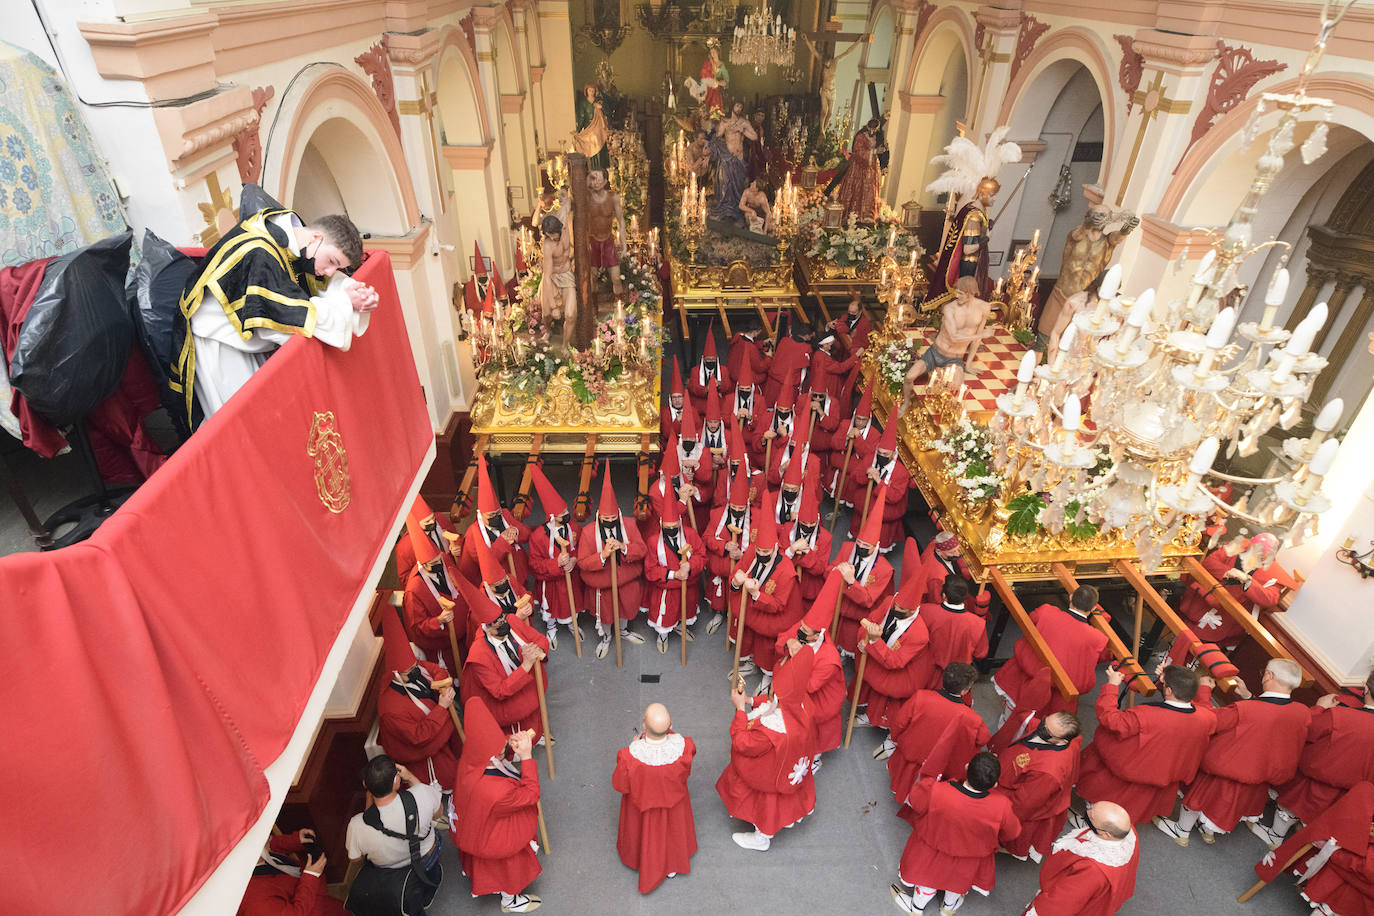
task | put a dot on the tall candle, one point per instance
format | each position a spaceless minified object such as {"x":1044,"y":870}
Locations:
{"x":1072,"y":413}
{"x":1326,"y":454}
{"x":1026,"y":370}
{"x":1111,"y":283}
{"x":1221,"y":328}
{"x":1329,"y":416}
{"x":1203,"y":458}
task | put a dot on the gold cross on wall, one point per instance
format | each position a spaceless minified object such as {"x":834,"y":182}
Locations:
{"x":1152,"y":101}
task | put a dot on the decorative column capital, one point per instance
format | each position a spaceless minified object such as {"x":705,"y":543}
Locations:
{"x":412,"y":50}
{"x":199,"y":136}
{"x":1173,"y":53}
{"x":173,"y":57}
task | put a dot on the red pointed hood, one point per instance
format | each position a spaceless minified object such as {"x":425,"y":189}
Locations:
{"x":669,"y":466}
{"x":520,"y":265}
{"x":492,"y":571}
{"x":676,"y":381}
{"x":672,"y":509}
{"x":820,"y":379}
{"x":810,"y":511}
{"x":424,"y":548}
{"x":548,"y":497}
{"x":485,"y":739}
{"x":872,"y":529}
{"x":420,"y":509}
{"x":501,"y":292}
{"x":709,"y":351}
{"x":608,"y":506}
{"x":746,"y":372}
{"x":739,"y":487}
{"x":822,"y":610}
{"x":767,"y":536}
{"x":712,"y":404}
{"x":909,"y":595}
{"x":689,"y":423}
{"x":486,"y":496}
{"x":489,"y":304}
{"x":790,"y":684}
{"x":888,"y":443}
{"x":865,"y":408}
{"x":787,"y":395}
{"x":479,"y":265}
{"x":395,"y":643}
{"x":911,"y":559}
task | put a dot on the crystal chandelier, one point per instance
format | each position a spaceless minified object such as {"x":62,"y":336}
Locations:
{"x":763,"y":41}
{"x":1173,"y":384}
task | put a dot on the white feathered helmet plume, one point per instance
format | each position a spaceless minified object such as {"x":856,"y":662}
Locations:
{"x":970,"y":167}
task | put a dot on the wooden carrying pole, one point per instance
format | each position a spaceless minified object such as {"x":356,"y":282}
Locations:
{"x":457,"y":724}
{"x":1132,"y":574}
{"x":839,"y":485}
{"x":835,"y":618}
{"x":739,"y":627}
{"x":1243,"y":617}
{"x":1058,"y":676}
{"x":543,"y":827}
{"x":1138,"y":680}
{"x":858,"y":685}
{"x":868,"y":498}
{"x":682,"y":613}
{"x":1259,"y":885}
{"x":572,"y":602}
{"x":615,"y":603}
{"x":543,"y":713}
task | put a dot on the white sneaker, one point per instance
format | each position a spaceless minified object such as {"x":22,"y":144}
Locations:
{"x":714,"y":623}
{"x":747,"y":667}
{"x":603,"y":646}
{"x":862,"y":719}
{"x":1271,"y":839}
{"x":903,"y":900}
{"x":754,"y":840}
{"x":1076,"y":820}
{"x":687,"y":634}
{"x":662,"y":645}
{"x":1171,"y":828}
{"x":815,"y":764}
{"x":885,"y":750}
{"x":765,"y":682}
{"x":631,"y":637}
{"x":552,"y":634}
{"x":520,"y":903}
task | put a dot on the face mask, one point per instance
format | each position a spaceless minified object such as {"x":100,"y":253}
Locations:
{"x":503,"y":590}
{"x":500,"y":629}
{"x":1043,"y":733}
{"x":307,"y":264}
{"x":802,"y":636}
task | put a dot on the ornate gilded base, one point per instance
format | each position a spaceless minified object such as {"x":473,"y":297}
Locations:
{"x":739,"y":285}
{"x":629,"y":410}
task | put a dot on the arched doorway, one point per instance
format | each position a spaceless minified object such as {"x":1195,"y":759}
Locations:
{"x":465,"y":133}
{"x":937,"y":98}
{"x":875,"y":66}
{"x":1059,"y":119}
{"x":511,"y":80}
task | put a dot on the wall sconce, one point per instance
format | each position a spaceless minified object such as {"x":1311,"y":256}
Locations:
{"x":1063,"y":190}
{"x":1360,"y":562}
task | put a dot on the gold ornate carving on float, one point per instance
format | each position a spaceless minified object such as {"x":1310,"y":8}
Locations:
{"x":631,"y":405}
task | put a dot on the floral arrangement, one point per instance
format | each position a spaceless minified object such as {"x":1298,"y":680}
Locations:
{"x":894,"y":361}
{"x":968,"y":459}
{"x":852,"y":243}
{"x":1064,"y":509}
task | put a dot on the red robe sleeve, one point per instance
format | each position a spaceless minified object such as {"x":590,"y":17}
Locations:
{"x":1079,"y":888}
{"x":1118,"y":722}
{"x":524,"y":795}
{"x":746,"y":741}
{"x":878,"y":586}
{"x":491,"y":674}
{"x":545,"y":567}
{"x":416,"y":610}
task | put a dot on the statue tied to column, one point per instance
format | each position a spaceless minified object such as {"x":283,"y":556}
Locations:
{"x":558,"y":286}
{"x":968,"y":177}
{"x":1086,"y":252}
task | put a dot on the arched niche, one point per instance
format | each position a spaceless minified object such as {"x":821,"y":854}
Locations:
{"x":938,"y":86}
{"x":331,"y":143}
{"x":462,"y":113}
{"x":876,"y":57}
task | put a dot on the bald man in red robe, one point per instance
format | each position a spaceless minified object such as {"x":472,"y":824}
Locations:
{"x":657,"y":835}
{"x":1038,"y":774}
{"x":1140,"y":756}
{"x":497,"y":799}
{"x":1091,"y":871}
{"x":935,"y":718}
{"x":1256,"y":745}
{"x":768,"y":781}
{"x":957,"y":828}
{"x":1077,"y":644}
{"x":1338,"y":754}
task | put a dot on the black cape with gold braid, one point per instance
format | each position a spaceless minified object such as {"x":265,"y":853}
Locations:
{"x":254,"y":276}
{"x":950,"y":266}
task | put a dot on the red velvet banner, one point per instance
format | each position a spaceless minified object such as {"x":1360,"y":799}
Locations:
{"x":152,"y":672}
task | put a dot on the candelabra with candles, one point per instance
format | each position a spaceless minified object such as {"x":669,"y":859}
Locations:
{"x":785,"y":213}
{"x":693,"y":217}
{"x":1014,"y":293}
{"x":556,"y":170}
{"x":676,"y":170}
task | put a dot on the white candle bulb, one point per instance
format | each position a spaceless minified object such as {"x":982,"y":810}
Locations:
{"x":1140,"y":312}
{"x":1066,"y":341}
{"x":1329,"y":416}
{"x":1111,"y":283}
{"x":1203,"y":458}
{"x":1306,"y":332}
{"x":1035,"y":239}
{"x":1221,"y":328}
{"x":1325,"y":455}
{"x":1278,"y":288}
{"x":1072,"y":413}
{"x":1027,"y":368}
{"x":1204,"y":269}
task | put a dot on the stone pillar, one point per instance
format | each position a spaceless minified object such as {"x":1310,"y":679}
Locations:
{"x":923,"y":117}
{"x":992,"y":71}
{"x":900,"y":132}
{"x":412,"y":58}
{"x":560,"y":119}
{"x":1352,"y":334}
{"x":1345,"y":284}
{"x":501,"y":250}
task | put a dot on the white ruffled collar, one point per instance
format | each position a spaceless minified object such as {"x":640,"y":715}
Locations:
{"x":770,"y":717}
{"x":1086,"y":843}
{"x":660,"y":754}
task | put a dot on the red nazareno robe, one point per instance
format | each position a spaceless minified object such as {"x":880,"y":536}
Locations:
{"x":825,"y":690}
{"x":596,"y":573}
{"x":895,"y":672}
{"x":280,"y":894}
{"x":776,"y":610}
{"x":1077,"y":644}
{"x":872,"y":592}
{"x":768,"y":780}
{"x":497,"y":821}
{"x":511,"y":696}
{"x":954,"y":838}
{"x":1087,"y":877}
{"x":1339,"y":753}
{"x":550,"y":586}
{"x":665,"y":593}
{"x":919,"y":725}
{"x":657,"y":835}
{"x":1140,"y":756}
{"x":1039,"y":778}
{"x":500,"y":547}
{"x":1257,"y":745}
{"x":957,"y":634}
{"x":419,"y":738}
